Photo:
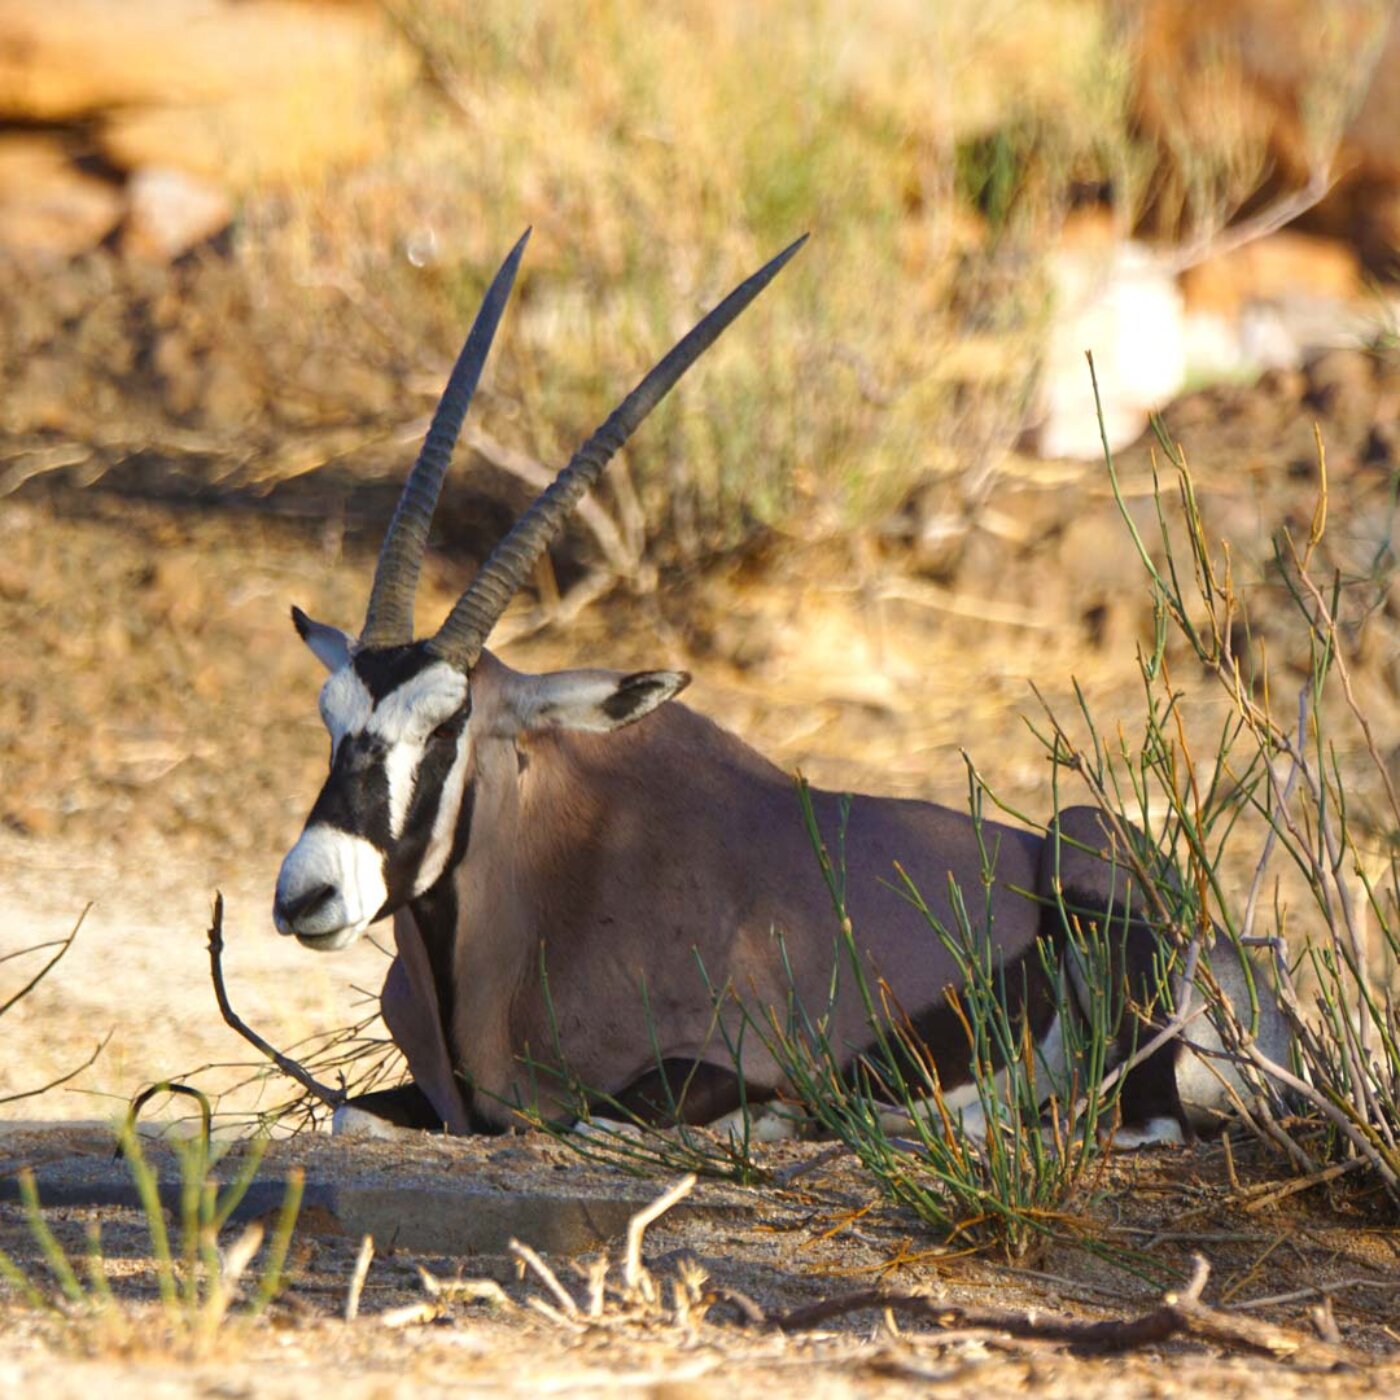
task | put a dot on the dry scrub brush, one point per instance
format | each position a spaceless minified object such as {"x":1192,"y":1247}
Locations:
{"x":934,"y":152}
{"x":1296,"y":781}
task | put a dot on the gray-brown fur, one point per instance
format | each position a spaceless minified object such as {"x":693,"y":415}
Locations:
{"x":628,"y":855}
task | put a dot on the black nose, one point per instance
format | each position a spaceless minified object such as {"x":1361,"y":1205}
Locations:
{"x":290,"y":911}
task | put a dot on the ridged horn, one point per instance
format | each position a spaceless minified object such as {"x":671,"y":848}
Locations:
{"x":462,"y":637}
{"x":389,"y":616}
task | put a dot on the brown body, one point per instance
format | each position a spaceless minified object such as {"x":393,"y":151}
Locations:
{"x":631,"y":859}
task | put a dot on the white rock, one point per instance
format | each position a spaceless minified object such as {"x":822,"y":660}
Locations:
{"x":1122,"y":304}
{"x":170,"y":211}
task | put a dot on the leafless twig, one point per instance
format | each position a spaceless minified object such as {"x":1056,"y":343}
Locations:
{"x":288,"y":1066}
{"x":63,"y":946}
{"x":537,"y":477}
{"x":1179,"y":1314}
{"x":357,"y":1279}
{"x":528,"y":1256}
{"x":62,"y":1078}
{"x":637,"y":1227}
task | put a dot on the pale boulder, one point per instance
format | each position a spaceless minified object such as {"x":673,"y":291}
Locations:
{"x":1122,"y":304}
{"x":243,"y":93}
{"x":170,"y":211}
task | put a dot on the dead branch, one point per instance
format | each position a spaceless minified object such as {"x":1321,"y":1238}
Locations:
{"x":332,"y":1097}
{"x":622,"y":560}
{"x":1178,"y":1315}
{"x":63,"y":944}
{"x":637,"y":1227}
{"x":1269,"y":220}
{"x":530,"y":1257}
{"x":357,"y":1279}
{"x":62,"y":1078}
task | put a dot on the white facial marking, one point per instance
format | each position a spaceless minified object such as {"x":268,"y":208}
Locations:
{"x":434,"y":860}
{"x":404,"y":719}
{"x":414,"y":709}
{"x":401,"y":772}
{"x":346,"y":704}
{"x":350,"y":868}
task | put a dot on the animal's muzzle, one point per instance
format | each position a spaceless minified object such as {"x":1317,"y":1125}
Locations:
{"x":292,"y":914}
{"x":330,"y":888}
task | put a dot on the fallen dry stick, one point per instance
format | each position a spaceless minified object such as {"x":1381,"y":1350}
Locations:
{"x":1178,"y":1315}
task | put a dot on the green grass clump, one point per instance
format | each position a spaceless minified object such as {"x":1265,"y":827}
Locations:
{"x":199,"y":1279}
{"x":1016,"y":1183}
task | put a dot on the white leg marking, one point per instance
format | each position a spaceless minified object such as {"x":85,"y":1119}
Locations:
{"x":766,"y":1124}
{"x":605,"y":1128}
{"x":1156,"y":1132}
{"x":350,"y":1122}
{"x":964,"y":1104}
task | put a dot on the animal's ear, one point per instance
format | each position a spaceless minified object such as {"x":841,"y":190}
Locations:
{"x":599,"y":701}
{"x":330,"y":645}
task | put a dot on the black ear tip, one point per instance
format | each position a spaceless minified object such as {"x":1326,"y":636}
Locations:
{"x":300,"y":621}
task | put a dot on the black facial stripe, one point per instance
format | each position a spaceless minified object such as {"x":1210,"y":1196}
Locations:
{"x":408,"y":852}
{"x":355,"y":797}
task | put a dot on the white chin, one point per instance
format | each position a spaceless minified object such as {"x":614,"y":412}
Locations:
{"x":331,"y":942}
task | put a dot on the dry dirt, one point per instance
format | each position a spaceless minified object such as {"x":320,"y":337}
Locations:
{"x":159,"y":740}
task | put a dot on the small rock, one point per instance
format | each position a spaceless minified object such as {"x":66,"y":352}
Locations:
{"x":169,"y":212}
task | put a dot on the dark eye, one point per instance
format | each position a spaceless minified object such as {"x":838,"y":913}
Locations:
{"x":448,"y":730}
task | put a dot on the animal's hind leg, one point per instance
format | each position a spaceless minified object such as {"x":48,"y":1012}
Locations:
{"x":1106,"y":902}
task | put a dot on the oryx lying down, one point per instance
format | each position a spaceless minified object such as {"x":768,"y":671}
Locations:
{"x":552,"y":845}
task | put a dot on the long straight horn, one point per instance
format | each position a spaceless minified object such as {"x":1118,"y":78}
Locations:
{"x":464,"y":634}
{"x":389,"y":617}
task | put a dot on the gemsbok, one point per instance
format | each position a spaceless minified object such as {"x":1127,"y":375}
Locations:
{"x":563,"y":853}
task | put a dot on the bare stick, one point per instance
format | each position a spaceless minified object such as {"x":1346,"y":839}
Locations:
{"x":333,"y":1097}
{"x":526,"y":1255}
{"x":637,"y":1227}
{"x":357,"y":1279}
{"x":1270,"y":219}
{"x":63,"y":946}
{"x":62,"y":1078}
{"x":1317,"y":1290}
{"x":1178,"y":1314}
{"x":411,"y":1315}
{"x":622,"y":560}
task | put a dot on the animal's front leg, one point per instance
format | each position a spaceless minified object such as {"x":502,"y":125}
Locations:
{"x":386,"y":1113}
{"x":410,"y":1011}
